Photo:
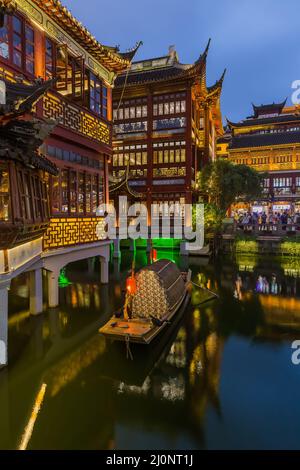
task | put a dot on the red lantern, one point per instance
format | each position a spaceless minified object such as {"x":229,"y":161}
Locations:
{"x":131,"y":285}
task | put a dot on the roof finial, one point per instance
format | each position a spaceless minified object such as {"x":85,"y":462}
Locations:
{"x":203,"y":56}
{"x":207,"y":47}
{"x":172,"y":49}
{"x":223,"y":75}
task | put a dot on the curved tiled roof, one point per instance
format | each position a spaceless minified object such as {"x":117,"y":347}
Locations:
{"x":148,"y":76}
{"x":162,"y":68}
{"x":265,"y":140}
{"x":268,"y":108}
{"x":110,"y":57}
{"x":282,"y":118}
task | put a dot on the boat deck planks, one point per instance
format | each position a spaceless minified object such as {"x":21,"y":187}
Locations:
{"x":130,"y":327}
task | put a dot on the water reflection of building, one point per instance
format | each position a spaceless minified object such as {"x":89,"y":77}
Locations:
{"x":275,"y":285}
{"x":187,"y":379}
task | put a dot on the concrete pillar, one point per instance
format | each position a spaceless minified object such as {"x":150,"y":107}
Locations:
{"x":131,"y":245}
{"x":3,"y":323}
{"x":53,"y":291}
{"x":36,"y":292}
{"x":117,"y":250}
{"x":104,"y":270}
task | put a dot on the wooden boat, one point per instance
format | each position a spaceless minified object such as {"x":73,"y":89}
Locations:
{"x":155,"y":295}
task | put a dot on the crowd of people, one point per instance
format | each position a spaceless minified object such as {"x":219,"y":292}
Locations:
{"x":263,"y":218}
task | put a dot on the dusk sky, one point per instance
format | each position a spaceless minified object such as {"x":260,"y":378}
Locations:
{"x":256,"y":40}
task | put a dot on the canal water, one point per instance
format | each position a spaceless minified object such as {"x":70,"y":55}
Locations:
{"x":220,"y":378}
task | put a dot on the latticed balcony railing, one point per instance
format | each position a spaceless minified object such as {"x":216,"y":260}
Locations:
{"x":74,"y":117}
{"x":71,"y":231}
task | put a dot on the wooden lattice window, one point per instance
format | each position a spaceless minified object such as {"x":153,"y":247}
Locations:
{"x":50,"y":58}
{"x":5,"y":209}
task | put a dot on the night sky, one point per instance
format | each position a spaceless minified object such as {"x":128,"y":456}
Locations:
{"x":256,"y":40}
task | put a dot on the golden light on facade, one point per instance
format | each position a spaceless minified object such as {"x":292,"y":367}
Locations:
{"x":73,"y":230}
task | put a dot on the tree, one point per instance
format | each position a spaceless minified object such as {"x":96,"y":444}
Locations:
{"x":222,"y":183}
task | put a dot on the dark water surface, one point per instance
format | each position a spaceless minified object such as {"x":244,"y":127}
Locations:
{"x":221,"y":378}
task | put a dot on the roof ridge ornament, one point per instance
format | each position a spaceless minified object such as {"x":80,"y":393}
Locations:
{"x":269,"y":108}
{"x":130,"y":53}
{"x":203,"y":56}
{"x":218,"y":85}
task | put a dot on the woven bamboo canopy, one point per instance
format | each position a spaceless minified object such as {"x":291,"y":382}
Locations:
{"x":160,"y":288}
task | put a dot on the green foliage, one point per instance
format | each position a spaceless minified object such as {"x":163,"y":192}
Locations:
{"x":223,"y":183}
{"x":290,"y":246}
{"x":213,"y":218}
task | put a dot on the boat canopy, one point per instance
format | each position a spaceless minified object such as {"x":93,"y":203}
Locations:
{"x":160,"y":288}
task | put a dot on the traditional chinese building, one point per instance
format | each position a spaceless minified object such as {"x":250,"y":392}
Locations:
{"x":223,"y":144}
{"x":56,"y":141}
{"x":166,"y":123}
{"x":269,"y":141}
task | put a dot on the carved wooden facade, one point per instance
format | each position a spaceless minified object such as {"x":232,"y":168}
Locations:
{"x":166,"y":122}
{"x":43,"y":40}
{"x":269,"y":141}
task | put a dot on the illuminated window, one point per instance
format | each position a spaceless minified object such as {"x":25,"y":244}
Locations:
{"x":88,"y":193}
{"x":166,"y":156}
{"x":65,"y":191}
{"x":29,"y":49}
{"x":4,"y":193}
{"x":104,"y":102}
{"x":17,"y":41}
{"x":4,"y":43}
{"x":138,"y":158}
{"x":144,"y":111}
{"x":95,"y":94}
{"x":22,"y":45}
{"x":49,"y":54}
{"x":94,"y":193}
{"x":55,"y":194}
{"x":81,"y":193}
